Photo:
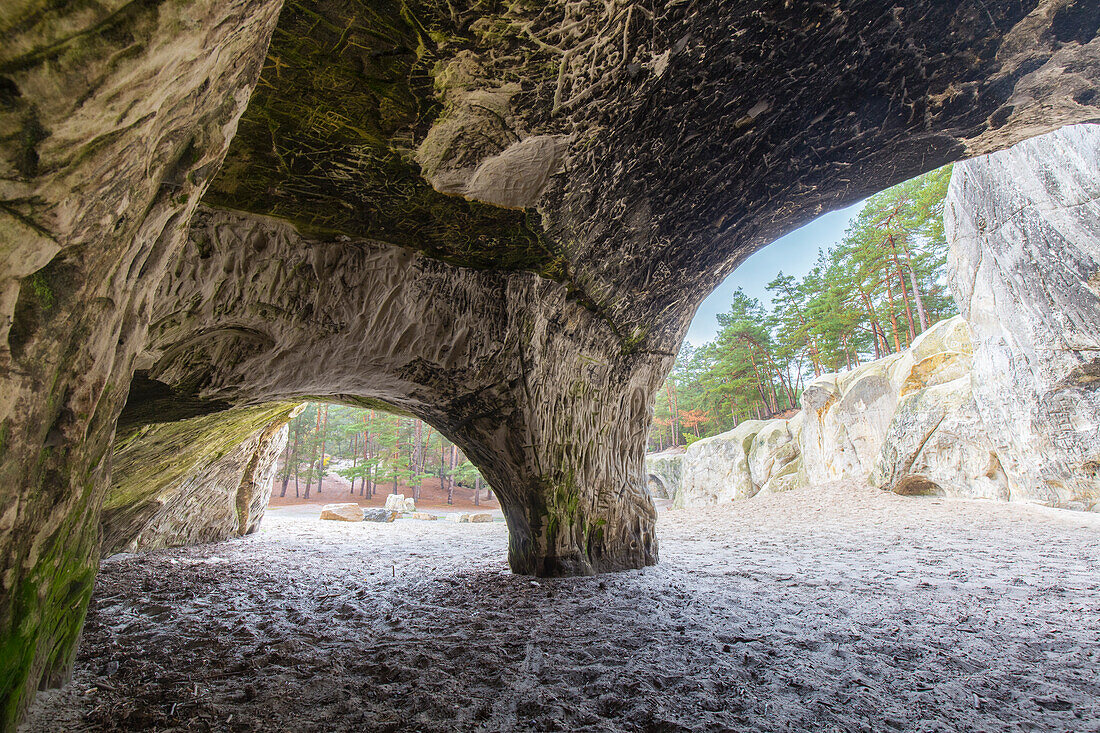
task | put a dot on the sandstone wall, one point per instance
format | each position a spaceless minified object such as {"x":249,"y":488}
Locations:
{"x":202,"y":479}
{"x":1024,"y":227}
{"x":907,"y":423}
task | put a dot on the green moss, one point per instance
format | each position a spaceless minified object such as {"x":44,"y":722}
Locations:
{"x":152,"y":458}
{"x":45,"y":610}
{"x":328,"y":138}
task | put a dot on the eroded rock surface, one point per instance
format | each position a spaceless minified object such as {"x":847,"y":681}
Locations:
{"x":198,"y":480}
{"x":907,"y":423}
{"x":664,"y":473}
{"x":1024,"y":227}
{"x":114,"y":116}
{"x":682,"y":147}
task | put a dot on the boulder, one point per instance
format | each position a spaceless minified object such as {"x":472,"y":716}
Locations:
{"x":398,"y":503}
{"x":342,"y":512}
{"x":379,"y":515}
{"x":458,"y":517}
{"x":937,"y":445}
{"x":772,"y":449}
{"x":424,"y":516}
{"x":1024,"y":232}
{"x":664,"y":473}
{"x":480,"y":518}
{"x":716,"y":469}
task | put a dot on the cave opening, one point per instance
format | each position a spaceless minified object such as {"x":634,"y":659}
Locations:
{"x":499,"y":219}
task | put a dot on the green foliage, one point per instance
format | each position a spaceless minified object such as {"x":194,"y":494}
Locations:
{"x":856,"y":303}
{"x":400,"y":448}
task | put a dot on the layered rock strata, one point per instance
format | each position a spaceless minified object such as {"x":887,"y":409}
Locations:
{"x":655,"y":149}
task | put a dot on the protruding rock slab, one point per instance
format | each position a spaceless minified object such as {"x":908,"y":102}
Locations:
{"x":379,"y":515}
{"x":345,"y":512}
{"x":1024,"y":228}
{"x":480,"y":517}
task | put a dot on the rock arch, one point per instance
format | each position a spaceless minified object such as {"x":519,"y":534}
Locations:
{"x":668,"y":149}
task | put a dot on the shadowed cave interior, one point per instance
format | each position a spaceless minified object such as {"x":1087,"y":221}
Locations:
{"x":500,"y":219}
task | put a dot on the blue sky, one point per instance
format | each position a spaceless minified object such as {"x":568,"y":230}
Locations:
{"x":794,"y":254}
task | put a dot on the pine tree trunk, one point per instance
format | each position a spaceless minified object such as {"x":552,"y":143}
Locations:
{"x":321,"y":465}
{"x":451,"y":479}
{"x":921,"y":312}
{"x":442,"y":462}
{"x":477,"y":490}
{"x":354,"y":459}
{"x":893,"y":312}
{"x":904,"y":290}
{"x":671,"y":412}
{"x":290,"y":456}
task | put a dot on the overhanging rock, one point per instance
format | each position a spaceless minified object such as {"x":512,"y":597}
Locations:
{"x":689,"y":146}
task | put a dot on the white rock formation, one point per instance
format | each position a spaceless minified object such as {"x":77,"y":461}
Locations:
{"x":344,"y":512}
{"x":664,"y":473}
{"x":907,"y":423}
{"x":716,"y":469}
{"x":398,"y":503}
{"x":1024,"y":228}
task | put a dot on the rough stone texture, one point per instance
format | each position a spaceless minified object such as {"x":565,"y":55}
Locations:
{"x":716,"y":469}
{"x":664,"y":473}
{"x":379,"y":515}
{"x":775,"y":459}
{"x":342,"y":512}
{"x":906,"y":423}
{"x":398,"y":503}
{"x":688,"y":147}
{"x":937,"y":445}
{"x":114,"y":118}
{"x":1024,"y":227}
{"x":199,"y":480}
{"x":458,"y":517}
{"x":481,"y":517}
{"x":846,"y":417}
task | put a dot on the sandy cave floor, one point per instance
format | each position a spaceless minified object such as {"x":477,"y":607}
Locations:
{"x":829,"y":608}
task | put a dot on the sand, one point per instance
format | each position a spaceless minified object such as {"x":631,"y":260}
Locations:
{"x":833,"y":608}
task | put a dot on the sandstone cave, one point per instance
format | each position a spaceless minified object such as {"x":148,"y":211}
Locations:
{"x":500,"y":218}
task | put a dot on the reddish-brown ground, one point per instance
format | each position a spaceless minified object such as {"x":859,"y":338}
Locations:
{"x":337,"y":489}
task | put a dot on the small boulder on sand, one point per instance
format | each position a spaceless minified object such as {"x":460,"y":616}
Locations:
{"x":481,"y":517}
{"x":458,"y":517}
{"x":342,"y":512}
{"x":424,"y":515}
{"x":398,"y":503}
{"x":379,"y":515}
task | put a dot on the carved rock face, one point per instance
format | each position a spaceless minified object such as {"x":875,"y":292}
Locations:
{"x":1024,"y":226}
{"x":696,"y":133}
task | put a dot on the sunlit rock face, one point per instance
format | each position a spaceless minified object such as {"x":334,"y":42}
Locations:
{"x":571,"y":179}
{"x":664,"y":473}
{"x":907,"y":423}
{"x":1024,"y":228}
